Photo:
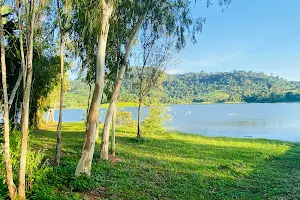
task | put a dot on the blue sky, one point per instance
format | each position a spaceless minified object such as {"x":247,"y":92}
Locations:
{"x":256,"y":35}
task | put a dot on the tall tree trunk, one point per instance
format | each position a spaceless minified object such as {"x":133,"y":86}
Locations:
{"x":25,"y":109}
{"x":23,"y":64}
{"x":85,"y":162}
{"x":8,"y":166}
{"x":139,"y":131}
{"x":113,"y":135}
{"x":61,"y":100}
{"x":112,"y":105}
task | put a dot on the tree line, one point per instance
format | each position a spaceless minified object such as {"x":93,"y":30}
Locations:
{"x":220,"y":87}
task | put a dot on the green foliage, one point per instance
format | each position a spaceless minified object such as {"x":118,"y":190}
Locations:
{"x":235,"y":86}
{"x":156,"y":119}
{"x":45,"y":72}
{"x":34,"y":159}
{"x":124,"y":118}
{"x":50,"y":182}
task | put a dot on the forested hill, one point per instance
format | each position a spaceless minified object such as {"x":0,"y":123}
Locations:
{"x":235,"y":86}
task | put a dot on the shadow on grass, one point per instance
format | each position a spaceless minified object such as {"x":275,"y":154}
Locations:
{"x":172,"y":167}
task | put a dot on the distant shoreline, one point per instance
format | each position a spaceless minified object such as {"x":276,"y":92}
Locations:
{"x":130,"y":104}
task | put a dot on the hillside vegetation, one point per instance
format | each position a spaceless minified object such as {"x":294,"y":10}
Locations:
{"x":235,"y":86}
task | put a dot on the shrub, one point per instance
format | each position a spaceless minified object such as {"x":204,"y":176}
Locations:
{"x":124,"y":118}
{"x":158,"y":116}
{"x":33,"y":160}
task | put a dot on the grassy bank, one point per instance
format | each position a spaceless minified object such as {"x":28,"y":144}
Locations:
{"x":105,"y":105}
{"x":170,"y":166}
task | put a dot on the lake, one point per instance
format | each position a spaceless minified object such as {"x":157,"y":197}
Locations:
{"x":279,"y":121}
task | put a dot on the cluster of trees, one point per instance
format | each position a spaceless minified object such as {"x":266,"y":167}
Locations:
{"x":38,"y":39}
{"x":235,"y":86}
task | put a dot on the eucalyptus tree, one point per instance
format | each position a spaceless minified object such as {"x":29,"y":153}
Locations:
{"x":154,"y":55}
{"x":101,"y":11}
{"x":8,"y":165}
{"x":172,"y":18}
{"x":166,"y":17}
{"x":132,"y":15}
{"x":29,"y":15}
{"x":63,"y":18}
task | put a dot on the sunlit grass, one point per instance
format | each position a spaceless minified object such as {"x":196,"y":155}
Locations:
{"x":183,"y":166}
{"x":105,"y":105}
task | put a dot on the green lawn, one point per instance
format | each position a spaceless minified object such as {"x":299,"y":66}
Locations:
{"x":170,"y":166}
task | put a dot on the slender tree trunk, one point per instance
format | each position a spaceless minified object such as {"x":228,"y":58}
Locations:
{"x":16,"y":114}
{"x":112,"y":105}
{"x":14,"y":91}
{"x":8,"y":166}
{"x":89,"y":100}
{"x":85,"y":162}
{"x":113,"y":135}
{"x":61,"y":100}
{"x":25,"y":109}
{"x":139,"y":130}
{"x":23,"y":65}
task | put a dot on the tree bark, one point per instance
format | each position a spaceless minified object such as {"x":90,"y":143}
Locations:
{"x":112,"y":105}
{"x":61,"y":100}
{"x":113,"y":135}
{"x":85,"y":162}
{"x":25,"y":109}
{"x":23,"y":64}
{"x":89,"y":99}
{"x":8,"y":166}
{"x":14,"y":91}
{"x":139,"y":131}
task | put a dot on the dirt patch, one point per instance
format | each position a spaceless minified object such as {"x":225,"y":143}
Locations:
{"x":115,"y":159}
{"x":97,"y":193}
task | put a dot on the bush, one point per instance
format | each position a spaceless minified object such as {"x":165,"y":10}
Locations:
{"x":33,"y":160}
{"x":124,"y":118}
{"x":158,"y":116}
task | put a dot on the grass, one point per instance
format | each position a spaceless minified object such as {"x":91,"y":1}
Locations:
{"x":105,"y":105}
{"x":172,"y":166}
{"x":121,"y":104}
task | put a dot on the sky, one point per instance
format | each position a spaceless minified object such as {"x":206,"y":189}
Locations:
{"x":251,"y":35}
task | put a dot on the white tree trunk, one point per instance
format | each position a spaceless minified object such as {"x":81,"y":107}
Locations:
{"x":15,"y":89}
{"x":61,"y":100}
{"x":113,"y":135}
{"x":85,"y":162}
{"x":112,"y":105}
{"x":23,"y":65}
{"x":26,"y":100}
{"x":8,"y":166}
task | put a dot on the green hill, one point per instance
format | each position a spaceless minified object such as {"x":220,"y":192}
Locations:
{"x":219,"y":87}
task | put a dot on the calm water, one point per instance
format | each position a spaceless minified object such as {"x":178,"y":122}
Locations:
{"x":272,"y":121}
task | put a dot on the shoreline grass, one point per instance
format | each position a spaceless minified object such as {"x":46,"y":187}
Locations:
{"x":171,"y":165}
